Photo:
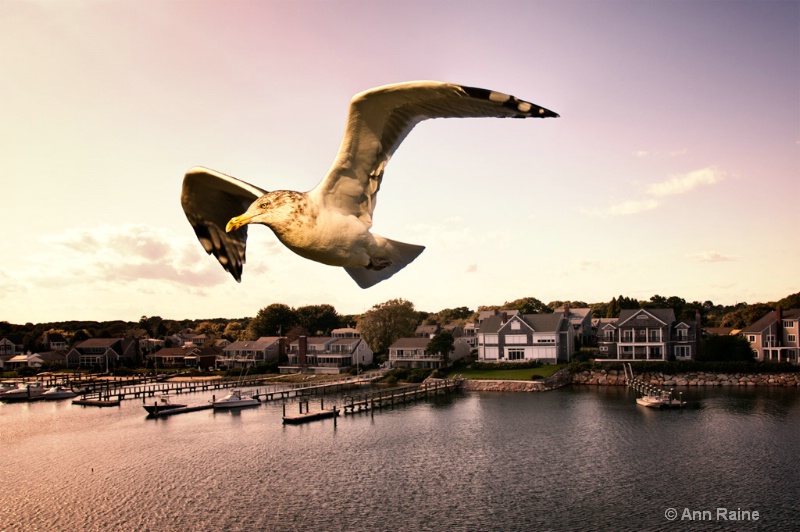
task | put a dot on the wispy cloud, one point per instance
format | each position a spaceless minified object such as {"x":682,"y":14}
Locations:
{"x":710,"y":256}
{"x":683,"y":183}
{"x":126,"y":254}
{"x":653,"y":194}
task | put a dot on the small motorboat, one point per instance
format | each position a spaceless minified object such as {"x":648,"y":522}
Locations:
{"x":235,"y":399}
{"x":24,"y":392}
{"x":651,"y":401}
{"x":163,"y":402}
{"x":57,"y":392}
{"x":7,"y":386}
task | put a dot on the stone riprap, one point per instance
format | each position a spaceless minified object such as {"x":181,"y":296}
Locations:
{"x":617,"y":378}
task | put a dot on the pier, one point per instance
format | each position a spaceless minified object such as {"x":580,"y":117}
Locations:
{"x":651,"y":396}
{"x":399,"y":395}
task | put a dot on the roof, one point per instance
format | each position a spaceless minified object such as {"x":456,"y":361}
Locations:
{"x":537,"y":322}
{"x":97,"y":342}
{"x":408,"y":343}
{"x":769,"y":319}
{"x":252,"y":345}
{"x":664,"y":315}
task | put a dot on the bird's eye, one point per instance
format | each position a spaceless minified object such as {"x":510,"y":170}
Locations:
{"x":264,"y":205}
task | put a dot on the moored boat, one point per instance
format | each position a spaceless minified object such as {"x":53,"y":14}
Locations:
{"x":163,"y":402}
{"x":57,"y":392}
{"x":235,"y":399}
{"x":24,"y":392}
{"x":651,"y":401}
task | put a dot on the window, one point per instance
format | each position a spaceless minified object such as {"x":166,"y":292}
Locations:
{"x":516,"y":339}
{"x":792,"y":338}
{"x":641,"y":317}
{"x":627,"y":335}
{"x":683,"y":351}
{"x":751,"y":338}
{"x":683,"y":334}
{"x":655,"y":335}
{"x":609,"y":336}
{"x":490,"y":353}
{"x":515,"y":325}
{"x":516,"y":354}
{"x":490,"y":338}
{"x":787,"y":324}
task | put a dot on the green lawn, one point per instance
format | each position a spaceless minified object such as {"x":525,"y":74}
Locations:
{"x":524,"y":374}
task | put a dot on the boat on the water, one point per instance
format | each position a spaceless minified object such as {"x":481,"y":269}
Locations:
{"x":163,"y":402}
{"x":24,"y":392}
{"x":658,"y":401}
{"x":235,"y":399}
{"x":57,"y":392}
{"x":7,"y":386}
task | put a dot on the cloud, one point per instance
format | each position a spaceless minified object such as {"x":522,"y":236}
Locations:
{"x":710,"y":256}
{"x":683,"y":183}
{"x":654,"y":193}
{"x":127,"y":254}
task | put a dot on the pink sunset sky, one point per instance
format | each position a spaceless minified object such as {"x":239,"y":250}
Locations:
{"x":674,"y":168}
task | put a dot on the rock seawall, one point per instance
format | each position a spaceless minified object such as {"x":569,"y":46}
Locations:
{"x":617,"y":378}
{"x":558,"y":379}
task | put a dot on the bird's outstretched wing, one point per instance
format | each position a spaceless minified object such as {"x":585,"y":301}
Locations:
{"x":209,"y":200}
{"x":380,"y":118}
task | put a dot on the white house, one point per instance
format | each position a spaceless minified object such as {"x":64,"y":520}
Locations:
{"x":546,"y":338}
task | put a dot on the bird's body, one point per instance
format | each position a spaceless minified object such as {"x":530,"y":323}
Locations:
{"x":331,"y":223}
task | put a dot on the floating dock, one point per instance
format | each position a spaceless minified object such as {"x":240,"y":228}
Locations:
{"x":181,"y":410}
{"x":96,"y":402}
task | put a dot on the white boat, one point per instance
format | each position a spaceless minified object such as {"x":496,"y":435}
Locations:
{"x":7,"y":386}
{"x":23,"y":392}
{"x":235,"y":399}
{"x":652,"y":401}
{"x":57,"y":392}
{"x":163,"y":402}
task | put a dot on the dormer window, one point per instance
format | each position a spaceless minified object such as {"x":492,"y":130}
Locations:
{"x":514,"y":325}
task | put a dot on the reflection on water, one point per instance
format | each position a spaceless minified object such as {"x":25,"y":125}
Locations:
{"x":579,"y":458}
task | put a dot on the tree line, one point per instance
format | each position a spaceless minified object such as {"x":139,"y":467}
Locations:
{"x":381,"y":325}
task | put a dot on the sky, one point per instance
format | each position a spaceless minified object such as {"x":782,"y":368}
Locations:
{"x":673,"y":170}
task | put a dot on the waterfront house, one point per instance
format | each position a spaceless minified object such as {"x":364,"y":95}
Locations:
{"x":547,"y":338}
{"x":580,"y":320}
{"x":775,"y":336}
{"x":54,"y":341}
{"x":647,"y":335}
{"x":327,"y":354}
{"x":27,"y":360}
{"x":187,"y":356}
{"x":10,"y":346}
{"x":101,"y":352}
{"x":412,"y":353}
{"x":248,"y":353}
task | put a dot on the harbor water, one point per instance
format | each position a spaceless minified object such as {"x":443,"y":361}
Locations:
{"x":578,"y":458}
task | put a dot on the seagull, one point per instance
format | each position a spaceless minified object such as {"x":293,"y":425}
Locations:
{"x":331,"y":223}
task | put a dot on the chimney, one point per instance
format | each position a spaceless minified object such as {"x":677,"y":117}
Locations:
{"x":778,"y":327}
{"x":566,"y":309}
{"x":504,"y":317}
{"x":302,"y":346}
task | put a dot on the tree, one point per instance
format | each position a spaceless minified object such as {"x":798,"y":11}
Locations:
{"x":528,"y":305}
{"x":234,"y":331}
{"x":318,"y":320}
{"x":274,"y":320}
{"x":454,"y":314}
{"x":725,"y":348}
{"x":444,"y":344}
{"x":385,"y":322}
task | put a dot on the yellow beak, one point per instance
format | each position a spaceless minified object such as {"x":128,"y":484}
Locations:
{"x":236,"y":222}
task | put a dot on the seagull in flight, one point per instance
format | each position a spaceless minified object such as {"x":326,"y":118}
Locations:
{"x":331,"y":223}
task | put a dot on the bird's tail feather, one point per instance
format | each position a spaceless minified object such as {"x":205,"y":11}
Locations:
{"x":399,"y":254}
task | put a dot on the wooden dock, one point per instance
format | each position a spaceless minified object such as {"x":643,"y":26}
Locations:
{"x":96,"y":402}
{"x":402,"y":394}
{"x":182,"y":410}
